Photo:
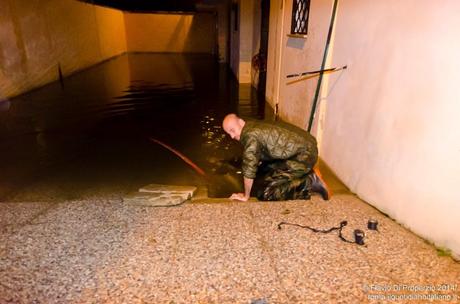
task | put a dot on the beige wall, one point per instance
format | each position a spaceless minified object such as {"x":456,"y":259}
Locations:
{"x":388,"y":125}
{"x":112,"y":33}
{"x":289,"y":55}
{"x":171,"y":33}
{"x":245,"y":42}
{"x":275,"y":48}
{"x":256,"y":21}
{"x":147,"y":66}
{"x":36,"y":36}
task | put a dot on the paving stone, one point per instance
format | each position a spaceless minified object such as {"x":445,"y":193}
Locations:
{"x":157,"y":188}
{"x":155,"y":199}
{"x":108,"y":251}
{"x":156,"y":195}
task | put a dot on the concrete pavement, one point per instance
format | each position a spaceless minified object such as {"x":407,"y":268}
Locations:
{"x":212,"y":251}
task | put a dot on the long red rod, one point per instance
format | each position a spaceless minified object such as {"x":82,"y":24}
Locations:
{"x":182,"y":156}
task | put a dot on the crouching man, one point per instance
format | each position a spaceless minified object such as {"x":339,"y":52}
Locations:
{"x":278,"y":160}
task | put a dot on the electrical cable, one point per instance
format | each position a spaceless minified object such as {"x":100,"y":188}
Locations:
{"x":358,"y":233}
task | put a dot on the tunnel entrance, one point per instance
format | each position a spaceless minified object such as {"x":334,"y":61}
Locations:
{"x":90,"y":136}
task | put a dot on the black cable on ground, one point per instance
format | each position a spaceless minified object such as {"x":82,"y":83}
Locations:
{"x":339,"y":228}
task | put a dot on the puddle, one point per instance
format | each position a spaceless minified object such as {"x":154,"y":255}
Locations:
{"x":90,"y":137}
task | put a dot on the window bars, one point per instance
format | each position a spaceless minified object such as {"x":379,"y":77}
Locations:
{"x":299,"y":23}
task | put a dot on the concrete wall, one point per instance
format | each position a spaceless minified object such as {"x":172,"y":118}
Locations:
{"x":223,"y":30}
{"x":388,"y":124}
{"x":112,"y":32}
{"x":256,"y":21}
{"x":275,"y":48}
{"x":290,"y":55}
{"x":37,"y":36}
{"x":171,"y":33}
{"x":245,"y":41}
{"x":221,"y":9}
{"x":235,"y":38}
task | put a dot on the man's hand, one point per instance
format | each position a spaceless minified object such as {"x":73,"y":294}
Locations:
{"x":247,"y":191}
{"x":239,"y":197}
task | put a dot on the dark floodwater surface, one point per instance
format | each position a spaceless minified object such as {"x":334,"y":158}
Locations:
{"x":89,"y":136}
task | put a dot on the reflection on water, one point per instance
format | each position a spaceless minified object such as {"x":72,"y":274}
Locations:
{"x":91,"y":135}
{"x":4,"y":105}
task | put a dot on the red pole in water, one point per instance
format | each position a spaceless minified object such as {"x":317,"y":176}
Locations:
{"x":181,"y":156}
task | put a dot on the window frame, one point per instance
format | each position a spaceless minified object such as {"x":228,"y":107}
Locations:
{"x":300,"y":16}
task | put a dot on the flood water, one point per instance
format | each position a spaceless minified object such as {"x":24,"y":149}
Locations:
{"x":90,"y":135}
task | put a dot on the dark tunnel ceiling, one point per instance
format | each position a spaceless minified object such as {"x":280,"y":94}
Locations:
{"x":153,"y":5}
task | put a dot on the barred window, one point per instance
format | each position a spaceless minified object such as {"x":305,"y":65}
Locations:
{"x":299,"y":23}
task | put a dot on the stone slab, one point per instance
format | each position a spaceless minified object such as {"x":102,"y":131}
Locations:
{"x":154,"y":199}
{"x":158,"y":188}
{"x":155,"y":195}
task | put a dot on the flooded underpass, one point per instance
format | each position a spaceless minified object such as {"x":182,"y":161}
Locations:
{"x":72,"y":150}
{"x":115,"y":178}
{"x":91,"y":133}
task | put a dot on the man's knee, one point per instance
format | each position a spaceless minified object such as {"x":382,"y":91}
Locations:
{"x":308,"y":158}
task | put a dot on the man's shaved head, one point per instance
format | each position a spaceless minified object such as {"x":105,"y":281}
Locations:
{"x":233,"y":125}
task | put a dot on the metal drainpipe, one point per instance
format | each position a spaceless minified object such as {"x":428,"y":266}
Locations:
{"x":326,"y":50}
{"x":280,"y":57}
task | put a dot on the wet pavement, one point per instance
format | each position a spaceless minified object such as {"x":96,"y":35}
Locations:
{"x":214,"y":251}
{"x":89,"y":135}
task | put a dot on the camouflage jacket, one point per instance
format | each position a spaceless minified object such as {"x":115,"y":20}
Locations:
{"x":264,"y":141}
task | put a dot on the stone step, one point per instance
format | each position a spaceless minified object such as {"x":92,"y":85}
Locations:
{"x":156,"y":195}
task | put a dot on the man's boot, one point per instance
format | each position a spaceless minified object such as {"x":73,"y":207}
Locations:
{"x":319,"y":185}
